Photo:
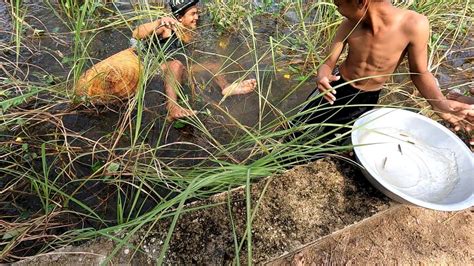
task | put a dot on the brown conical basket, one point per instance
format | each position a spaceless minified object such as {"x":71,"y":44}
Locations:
{"x":116,"y":77}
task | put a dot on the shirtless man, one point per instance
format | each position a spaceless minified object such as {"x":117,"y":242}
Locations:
{"x":165,"y":30}
{"x":378,"y":36}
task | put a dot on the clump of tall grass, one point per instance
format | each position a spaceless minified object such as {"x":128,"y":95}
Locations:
{"x":228,"y":15}
{"x":18,"y":15}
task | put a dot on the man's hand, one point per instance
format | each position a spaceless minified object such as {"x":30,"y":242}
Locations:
{"x":459,"y":115}
{"x":324,"y":86}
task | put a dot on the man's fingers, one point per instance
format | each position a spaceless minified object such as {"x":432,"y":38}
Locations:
{"x":326,"y":86}
{"x":460,"y":124}
{"x":167,"y":22}
{"x":470,"y":112}
{"x":457,"y":107}
{"x":468,"y":126}
{"x":334,"y":78}
{"x":455,"y":123}
{"x":451,"y":119}
{"x":328,"y":95}
{"x":329,"y":98}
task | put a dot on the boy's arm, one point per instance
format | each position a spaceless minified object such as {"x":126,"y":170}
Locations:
{"x":158,"y":27}
{"x":454,"y":112}
{"x":145,"y":30}
{"x":325,"y":77}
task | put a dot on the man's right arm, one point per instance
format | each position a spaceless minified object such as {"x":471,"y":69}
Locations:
{"x":325,"y":76}
{"x":460,"y":115}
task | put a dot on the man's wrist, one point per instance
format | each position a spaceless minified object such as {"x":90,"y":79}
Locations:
{"x":441,"y":104}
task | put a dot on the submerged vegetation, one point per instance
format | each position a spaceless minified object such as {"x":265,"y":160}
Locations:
{"x":71,"y":170}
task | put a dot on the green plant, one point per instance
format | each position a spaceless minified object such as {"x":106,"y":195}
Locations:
{"x":228,"y":15}
{"x":18,"y":17}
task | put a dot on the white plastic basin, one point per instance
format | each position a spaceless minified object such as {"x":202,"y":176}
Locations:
{"x":413,"y":159}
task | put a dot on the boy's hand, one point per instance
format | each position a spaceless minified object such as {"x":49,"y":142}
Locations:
{"x":167,"y":22}
{"x":324,"y":86}
{"x":460,"y":115}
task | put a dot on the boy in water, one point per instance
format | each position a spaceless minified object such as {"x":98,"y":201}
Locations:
{"x":164,"y":33}
{"x":118,"y":76}
{"x":378,"y":36}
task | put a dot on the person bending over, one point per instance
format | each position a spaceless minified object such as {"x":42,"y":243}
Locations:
{"x":378,"y":36}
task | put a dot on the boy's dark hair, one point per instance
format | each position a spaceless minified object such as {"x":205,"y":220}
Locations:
{"x":179,"y":7}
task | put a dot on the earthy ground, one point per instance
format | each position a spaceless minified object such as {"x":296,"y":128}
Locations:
{"x":402,"y":235}
{"x":327,"y":204}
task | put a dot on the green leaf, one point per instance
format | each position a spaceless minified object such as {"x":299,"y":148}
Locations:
{"x":178,"y":124}
{"x":97,"y":166}
{"x":49,"y":79}
{"x":67,"y":60}
{"x":113,"y":167}
{"x":12,"y":102}
{"x":38,"y":32}
{"x":13,"y":233}
{"x":7,"y":81}
{"x":25,"y":215}
{"x":301,"y":78}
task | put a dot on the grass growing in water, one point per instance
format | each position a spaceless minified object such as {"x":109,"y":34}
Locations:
{"x":75,"y":175}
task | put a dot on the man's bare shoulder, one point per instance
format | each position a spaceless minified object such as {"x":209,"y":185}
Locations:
{"x":415,"y":23}
{"x":346,"y":27}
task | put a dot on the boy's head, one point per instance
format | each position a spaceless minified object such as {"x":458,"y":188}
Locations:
{"x":354,"y":9}
{"x":186,"y":12}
